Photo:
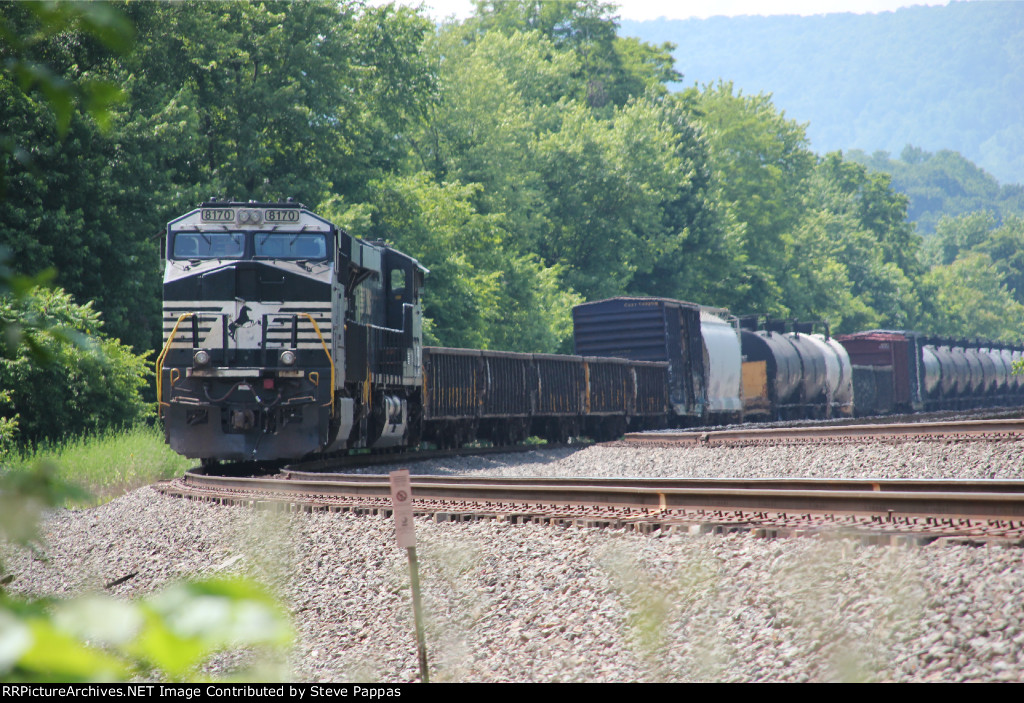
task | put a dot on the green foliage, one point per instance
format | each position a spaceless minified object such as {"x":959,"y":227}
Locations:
{"x":614,"y":198}
{"x":227,"y":99}
{"x":761,"y":164}
{"x":481,"y":294}
{"x":943,"y":184}
{"x":90,"y":383}
{"x":968,"y":298}
{"x":876,"y":245}
{"x":530,"y":157}
{"x":1005,"y":246}
{"x":33,"y":35}
{"x":106,"y":464}
{"x":818,"y":238}
{"x":168,"y":635}
{"x":976,"y":284}
{"x":956,"y":234}
{"x":59,"y":208}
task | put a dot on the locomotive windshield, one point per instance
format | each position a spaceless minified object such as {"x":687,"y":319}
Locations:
{"x":308,"y":246}
{"x":209,"y":245}
{"x":290,"y":245}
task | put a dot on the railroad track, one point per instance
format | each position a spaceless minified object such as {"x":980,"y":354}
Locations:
{"x":840,"y":431}
{"x":340,"y":462}
{"x":954,"y":430}
{"x":877,"y":510}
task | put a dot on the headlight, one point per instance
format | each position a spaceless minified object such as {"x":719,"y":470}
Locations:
{"x":201,"y":358}
{"x":287,"y":358}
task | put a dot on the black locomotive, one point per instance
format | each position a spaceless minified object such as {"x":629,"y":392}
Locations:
{"x":285,"y":336}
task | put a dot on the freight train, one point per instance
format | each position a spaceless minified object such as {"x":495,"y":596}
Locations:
{"x":286,"y":336}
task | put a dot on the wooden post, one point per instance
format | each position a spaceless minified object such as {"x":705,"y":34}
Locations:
{"x":405,"y":532}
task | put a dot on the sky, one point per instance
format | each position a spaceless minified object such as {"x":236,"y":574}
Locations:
{"x":683,"y":9}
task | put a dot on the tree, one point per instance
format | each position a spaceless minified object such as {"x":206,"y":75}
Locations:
{"x":89,"y":383}
{"x":875,"y":244}
{"x":480,"y":292}
{"x":954,"y":235}
{"x":968,"y":298}
{"x":761,"y":164}
{"x":610,"y":69}
{"x":59,"y":209}
{"x":1005,"y":246}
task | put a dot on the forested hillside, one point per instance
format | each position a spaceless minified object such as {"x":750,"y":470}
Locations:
{"x":943,"y":184}
{"x":531,"y":157}
{"x":939,"y":78}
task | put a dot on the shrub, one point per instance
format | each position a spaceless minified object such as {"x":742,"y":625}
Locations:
{"x":64,"y":376}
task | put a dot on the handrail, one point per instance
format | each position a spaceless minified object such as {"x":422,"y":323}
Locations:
{"x":160,"y":361}
{"x":326,"y":351}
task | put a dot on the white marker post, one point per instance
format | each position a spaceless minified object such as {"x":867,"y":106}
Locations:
{"x":405,"y":532}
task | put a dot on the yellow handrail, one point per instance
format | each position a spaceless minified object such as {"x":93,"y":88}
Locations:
{"x":326,"y":351}
{"x":160,"y":361}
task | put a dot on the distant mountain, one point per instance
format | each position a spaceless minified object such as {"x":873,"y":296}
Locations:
{"x":935,"y":77}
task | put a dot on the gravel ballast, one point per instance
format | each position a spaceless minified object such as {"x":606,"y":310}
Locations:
{"x":533,"y":603}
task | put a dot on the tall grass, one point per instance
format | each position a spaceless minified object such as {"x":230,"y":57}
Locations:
{"x":109,"y":464}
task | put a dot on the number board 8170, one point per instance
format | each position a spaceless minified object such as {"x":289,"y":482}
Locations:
{"x":281,"y":216}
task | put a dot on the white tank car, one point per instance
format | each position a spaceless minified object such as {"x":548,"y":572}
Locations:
{"x":932,"y":374}
{"x":1002,"y":370}
{"x":838,"y":375}
{"x":723,"y":360}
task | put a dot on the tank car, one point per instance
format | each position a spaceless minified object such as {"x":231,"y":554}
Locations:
{"x":903,"y":371}
{"x":793,"y":375}
{"x":285,"y":336}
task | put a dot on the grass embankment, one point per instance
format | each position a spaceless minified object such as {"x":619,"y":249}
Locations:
{"x":110,"y":464}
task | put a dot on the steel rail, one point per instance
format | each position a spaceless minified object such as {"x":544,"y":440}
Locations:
{"x":982,"y":504}
{"x":960,"y":485}
{"x":1013,"y":426}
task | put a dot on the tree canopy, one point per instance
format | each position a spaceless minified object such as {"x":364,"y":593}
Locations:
{"x":531,"y":157}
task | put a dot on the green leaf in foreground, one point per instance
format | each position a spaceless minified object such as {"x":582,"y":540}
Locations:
{"x":168,"y":635}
